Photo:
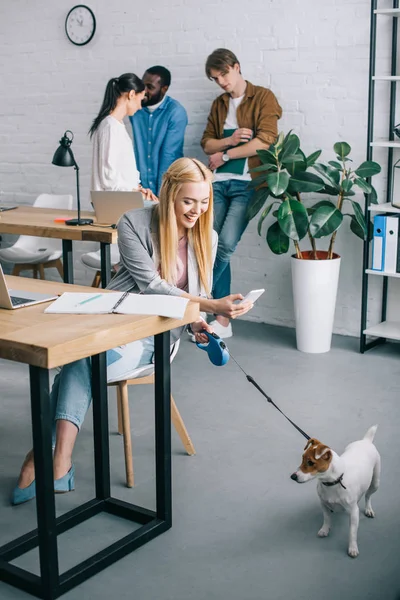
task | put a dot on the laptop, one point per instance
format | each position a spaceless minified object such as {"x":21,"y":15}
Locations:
{"x":17,"y":298}
{"x":110,"y":206}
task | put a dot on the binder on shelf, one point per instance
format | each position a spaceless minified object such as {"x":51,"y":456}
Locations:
{"x":378,"y":243}
{"x":391,"y":243}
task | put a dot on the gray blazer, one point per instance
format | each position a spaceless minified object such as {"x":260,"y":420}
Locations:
{"x":138,"y":243}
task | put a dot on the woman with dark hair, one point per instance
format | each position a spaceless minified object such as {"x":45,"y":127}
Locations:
{"x":113,"y":164}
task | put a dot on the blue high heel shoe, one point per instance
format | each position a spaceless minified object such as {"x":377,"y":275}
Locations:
{"x":19,"y":496}
{"x":66,"y":483}
{"x":61,"y":486}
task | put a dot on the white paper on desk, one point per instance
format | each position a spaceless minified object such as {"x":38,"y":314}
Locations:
{"x":153,"y":304}
{"x":71,"y":303}
{"x":133,"y":304}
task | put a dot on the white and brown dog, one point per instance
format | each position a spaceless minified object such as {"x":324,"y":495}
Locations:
{"x":342,"y":480}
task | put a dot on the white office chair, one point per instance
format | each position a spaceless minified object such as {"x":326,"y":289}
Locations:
{"x":142,"y":376}
{"x":38,"y":253}
{"x":91,"y":260}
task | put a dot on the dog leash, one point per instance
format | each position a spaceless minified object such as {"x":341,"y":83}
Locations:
{"x":219,"y":354}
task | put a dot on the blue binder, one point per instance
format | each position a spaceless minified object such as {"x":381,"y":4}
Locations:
{"x":378,"y":243}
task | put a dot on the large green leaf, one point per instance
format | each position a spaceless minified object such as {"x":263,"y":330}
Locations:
{"x":264,"y":215}
{"x":293,"y":219}
{"x":297,"y":166}
{"x":358,"y":230}
{"x":267,"y":157}
{"x":369,"y":168}
{"x":305,"y":182}
{"x":325,"y":221}
{"x":363,"y":185}
{"x":257,"y":202}
{"x":342,"y":149}
{"x":359,"y":217}
{"x":347,"y":184}
{"x":331,"y":174}
{"x":290,"y":146}
{"x":292,"y":158}
{"x":335,"y":164}
{"x":310,"y":160}
{"x":328,"y":189}
{"x":277,"y":240}
{"x":264,"y":168}
{"x":278,"y":182}
{"x":311,"y":210}
{"x":258,"y":181}
{"x":373,"y":196}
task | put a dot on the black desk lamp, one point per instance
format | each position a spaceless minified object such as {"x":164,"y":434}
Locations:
{"x":64,"y":157}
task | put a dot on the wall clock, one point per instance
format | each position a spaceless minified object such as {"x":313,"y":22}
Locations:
{"x":80,"y":25}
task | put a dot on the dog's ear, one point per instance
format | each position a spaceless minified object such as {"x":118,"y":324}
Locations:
{"x":323,"y":452}
{"x":311,"y":442}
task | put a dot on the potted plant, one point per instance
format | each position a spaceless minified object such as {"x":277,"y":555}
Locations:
{"x":283,"y":177}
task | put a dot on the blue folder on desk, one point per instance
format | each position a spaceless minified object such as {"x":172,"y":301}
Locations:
{"x":378,"y":243}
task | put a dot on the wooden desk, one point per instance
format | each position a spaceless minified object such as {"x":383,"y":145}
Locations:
{"x":45,"y":341}
{"x":29,"y":220}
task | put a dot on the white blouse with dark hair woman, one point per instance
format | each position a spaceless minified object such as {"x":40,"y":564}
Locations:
{"x":113,"y":162}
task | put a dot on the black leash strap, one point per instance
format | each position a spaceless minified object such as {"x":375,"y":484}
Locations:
{"x":251,"y":380}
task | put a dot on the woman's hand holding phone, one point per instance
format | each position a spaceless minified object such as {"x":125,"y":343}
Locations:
{"x":230,"y":307}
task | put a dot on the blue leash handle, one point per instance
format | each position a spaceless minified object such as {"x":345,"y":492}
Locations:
{"x":216,"y":349}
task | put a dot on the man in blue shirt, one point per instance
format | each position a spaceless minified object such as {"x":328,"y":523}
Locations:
{"x":158,"y":129}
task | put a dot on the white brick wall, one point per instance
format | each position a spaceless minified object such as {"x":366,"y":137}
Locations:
{"x":313,"y":54}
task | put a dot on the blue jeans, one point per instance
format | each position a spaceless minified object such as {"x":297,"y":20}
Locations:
{"x":71,"y":393}
{"x":231,"y":199}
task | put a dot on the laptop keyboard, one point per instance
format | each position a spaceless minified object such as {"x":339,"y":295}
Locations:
{"x":15,"y":301}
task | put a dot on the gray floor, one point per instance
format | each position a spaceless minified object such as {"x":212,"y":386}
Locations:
{"x":241,"y":528}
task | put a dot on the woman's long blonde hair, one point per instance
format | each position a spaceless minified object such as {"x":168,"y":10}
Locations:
{"x":185,"y":170}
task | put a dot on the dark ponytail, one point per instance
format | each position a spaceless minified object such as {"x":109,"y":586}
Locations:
{"x":114,"y":90}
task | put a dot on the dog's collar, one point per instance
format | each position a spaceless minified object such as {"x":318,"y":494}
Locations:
{"x":338,"y":480}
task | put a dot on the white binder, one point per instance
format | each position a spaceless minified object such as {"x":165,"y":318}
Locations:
{"x":390,"y":241}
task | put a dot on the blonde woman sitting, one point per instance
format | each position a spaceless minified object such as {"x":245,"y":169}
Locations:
{"x":166,"y":248}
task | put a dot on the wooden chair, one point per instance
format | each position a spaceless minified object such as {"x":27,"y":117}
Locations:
{"x":36,"y":253}
{"x":144,"y":376}
{"x":38,"y":269}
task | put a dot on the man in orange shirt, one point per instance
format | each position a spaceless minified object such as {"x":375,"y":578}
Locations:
{"x":242,"y":120}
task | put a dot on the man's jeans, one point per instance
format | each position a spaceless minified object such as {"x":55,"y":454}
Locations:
{"x":231,"y":199}
{"x":71,"y":393}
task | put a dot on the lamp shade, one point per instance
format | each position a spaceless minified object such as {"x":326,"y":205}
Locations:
{"x":63,"y":156}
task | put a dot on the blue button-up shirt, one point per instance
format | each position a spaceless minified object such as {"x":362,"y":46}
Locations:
{"x":158,"y":140}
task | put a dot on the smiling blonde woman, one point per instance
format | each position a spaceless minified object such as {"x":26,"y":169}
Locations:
{"x":166,"y":248}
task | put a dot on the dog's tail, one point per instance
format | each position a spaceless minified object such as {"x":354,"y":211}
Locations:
{"x":371,"y":433}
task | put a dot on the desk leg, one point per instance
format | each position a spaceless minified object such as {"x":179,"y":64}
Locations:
{"x":100,"y":426}
{"x":105,"y":260}
{"x":45,"y":503}
{"x":162,"y":390}
{"x":68,"y":261}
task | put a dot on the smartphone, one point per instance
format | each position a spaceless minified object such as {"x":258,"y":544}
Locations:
{"x":252,"y":296}
{"x":3,"y":208}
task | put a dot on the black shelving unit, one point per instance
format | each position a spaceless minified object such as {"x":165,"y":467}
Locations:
{"x":384,"y":330}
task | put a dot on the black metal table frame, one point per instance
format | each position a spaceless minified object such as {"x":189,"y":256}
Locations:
{"x":105,"y":262}
{"x":51,"y":584}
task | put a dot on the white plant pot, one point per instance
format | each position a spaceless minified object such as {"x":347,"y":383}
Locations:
{"x":315,"y":284}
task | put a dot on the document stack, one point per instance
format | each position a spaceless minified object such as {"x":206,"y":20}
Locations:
{"x":385,"y":244}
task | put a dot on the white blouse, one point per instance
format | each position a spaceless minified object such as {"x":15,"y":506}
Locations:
{"x":113,"y":163}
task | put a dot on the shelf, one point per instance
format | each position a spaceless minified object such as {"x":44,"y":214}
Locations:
{"x":386,"y":144}
{"x":386,"y":329}
{"x":390,"y":12}
{"x":386,"y":207}
{"x":382,"y":273}
{"x":386,"y":78}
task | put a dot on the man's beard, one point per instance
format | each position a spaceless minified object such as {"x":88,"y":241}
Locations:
{"x":153,"y":100}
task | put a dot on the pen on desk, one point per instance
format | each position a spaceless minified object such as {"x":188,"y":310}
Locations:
{"x":89,"y":299}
